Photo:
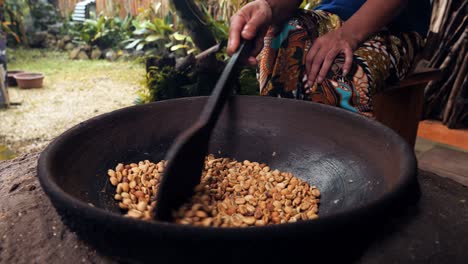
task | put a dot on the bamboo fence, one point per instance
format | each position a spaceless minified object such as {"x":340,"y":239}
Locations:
{"x":66,"y":6}
{"x":446,"y":48}
{"x":219,"y":9}
{"x":118,"y":7}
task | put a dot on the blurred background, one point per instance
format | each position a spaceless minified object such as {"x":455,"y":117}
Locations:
{"x":94,"y":56}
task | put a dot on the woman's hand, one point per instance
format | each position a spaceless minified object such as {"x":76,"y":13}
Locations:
{"x":324,"y":51}
{"x":250,"y":22}
{"x":372,"y":16}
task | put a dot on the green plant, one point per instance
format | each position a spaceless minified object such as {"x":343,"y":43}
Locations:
{"x":43,"y":14}
{"x":25,"y":16}
{"x":68,"y":27}
{"x":181,"y":42}
{"x":165,"y":82}
{"x":149,"y":35}
{"x":220,"y":28}
{"x":156,"y":37}
{"x":105,"y":32}
{"x":248,"y":82}
{"x":222,"y":10}
{"x":6,"y":28}
{"x":15,"y":12}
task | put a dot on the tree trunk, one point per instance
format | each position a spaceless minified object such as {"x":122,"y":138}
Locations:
{"x":196,"y":22}
{"x":199,"y":27}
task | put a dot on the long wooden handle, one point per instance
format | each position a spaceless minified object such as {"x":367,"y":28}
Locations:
{"x":220,"y":93}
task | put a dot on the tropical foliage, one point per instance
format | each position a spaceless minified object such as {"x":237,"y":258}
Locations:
{"x":23,"y":17}
{"x":145,"y":33}
{"x":14,"y":25}
{"x":103,"y":32}
{"x":157,"y":36}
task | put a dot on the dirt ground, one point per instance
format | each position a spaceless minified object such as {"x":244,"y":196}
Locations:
{"x":73,"y":91}
{"x":30,"y":229}
{"x":431,"y":231}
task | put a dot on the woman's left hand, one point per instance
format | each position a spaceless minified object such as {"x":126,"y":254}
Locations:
{"x":324,"y":51}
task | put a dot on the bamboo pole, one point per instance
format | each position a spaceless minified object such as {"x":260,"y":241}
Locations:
{"x":448,"y":36}
{"x":438,"y":11}
{"x":439,"y":98}
{"x":456,"y":16}
{"x":460,"y":109}
{"x":457,"y":85}
{"x":448,"y":58}
{"x":432,"y":86}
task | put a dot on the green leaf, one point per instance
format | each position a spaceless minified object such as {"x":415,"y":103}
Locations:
{"x":140,"y":46}
{"x":133,"y":44}
{"x":159,"y":25}
{"x":151,"y":27}
{"x":100,"y":22}
{"x":136,"y":24}
{"x":146,"y":24}
{"x":127,"y":41}
{"x":152,"y":38}
{"x":141,"y":31}
{"x":178,"y":36}
{"x":89,"y":22}
{"x":179,"y":46}
{"x":190,"y":51}
{"x":97,"y":36}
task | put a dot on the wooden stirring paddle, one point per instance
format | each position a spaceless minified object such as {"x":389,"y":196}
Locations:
{"x":186,"y":156}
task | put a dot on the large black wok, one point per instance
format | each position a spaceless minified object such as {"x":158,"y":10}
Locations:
{"x":364,"y":170}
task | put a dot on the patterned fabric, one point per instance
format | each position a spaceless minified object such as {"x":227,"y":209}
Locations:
{"x":384,"y":58}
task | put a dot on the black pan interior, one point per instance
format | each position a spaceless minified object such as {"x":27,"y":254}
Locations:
{"x":352,"y":160}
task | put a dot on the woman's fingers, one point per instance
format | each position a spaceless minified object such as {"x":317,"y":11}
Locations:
{"x":248,"y":22}
{"x":238,"y":22}
{"x":311,"y":55}
{"x":320,"y":59}
{"x":258,"y":16}
{"x":257,"y":47}
{"x":314,"y":63}
{"x":348,"y":52}
{"x":327,"y":63}
{"x":252,"y":61}
{"x":254,"y":24}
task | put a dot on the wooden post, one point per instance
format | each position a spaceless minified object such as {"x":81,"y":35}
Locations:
{"x":4,"y":99}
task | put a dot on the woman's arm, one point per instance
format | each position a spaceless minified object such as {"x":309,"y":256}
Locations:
{"x":252,"y":21}
{"x":371,"y":17}
{"x":283,"y":9}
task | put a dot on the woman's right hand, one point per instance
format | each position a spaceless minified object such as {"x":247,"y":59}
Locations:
{"x":251,"y":22}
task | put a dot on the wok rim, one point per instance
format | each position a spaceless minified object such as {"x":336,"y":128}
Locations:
{"x":408,"y":171}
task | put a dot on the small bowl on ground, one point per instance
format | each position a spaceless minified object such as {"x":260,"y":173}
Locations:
{"x":11,"y":77}
{"x":27,"y":80}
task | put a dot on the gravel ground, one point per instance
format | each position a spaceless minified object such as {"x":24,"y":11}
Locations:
{"x":73,"y":91}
